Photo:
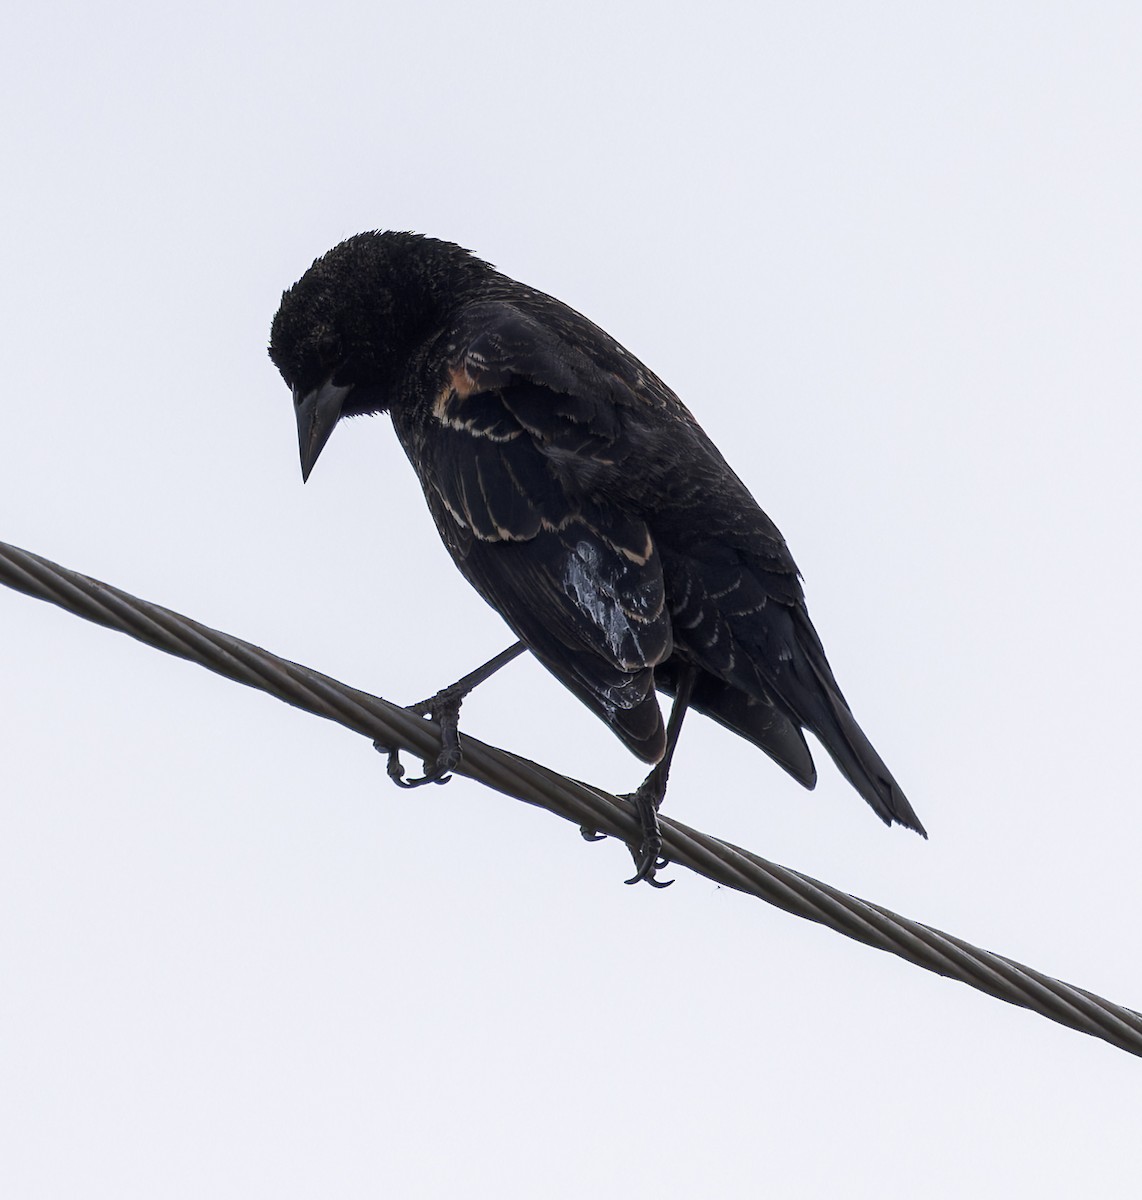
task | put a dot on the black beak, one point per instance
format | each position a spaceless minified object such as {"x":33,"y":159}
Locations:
{"x":317,"y":414}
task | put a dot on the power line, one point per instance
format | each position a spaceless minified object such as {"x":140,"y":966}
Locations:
{"x":379,"y":720}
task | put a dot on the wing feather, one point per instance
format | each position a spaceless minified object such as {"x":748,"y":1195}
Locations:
{"x":578,"y":580}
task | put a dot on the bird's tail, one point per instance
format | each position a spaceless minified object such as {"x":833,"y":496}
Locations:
{"x":824,"y":711}
{"x":750,"y":715}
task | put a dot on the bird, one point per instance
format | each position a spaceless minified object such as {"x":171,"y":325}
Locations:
{"x":581,"y":499}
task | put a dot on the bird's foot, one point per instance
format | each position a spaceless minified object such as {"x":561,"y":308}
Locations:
{"x":647,"y":854}
{"x":443,"y":708}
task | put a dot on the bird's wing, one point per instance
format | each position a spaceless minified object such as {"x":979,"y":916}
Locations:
{"x":579,"y":580}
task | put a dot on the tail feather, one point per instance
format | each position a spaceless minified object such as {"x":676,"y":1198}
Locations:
{"x":759,"y":721}
{"x":826,"y":714}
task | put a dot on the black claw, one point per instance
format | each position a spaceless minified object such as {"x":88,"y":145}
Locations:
{"x":437,"y":772}
{"x":444,"y":708}
{"x":396,"y":772}
{"x":647,"y":854}
{"x":647,"y":862}
{"x":645,"y":874}
{"x":591,"y":835}
{"x":394,"y":767}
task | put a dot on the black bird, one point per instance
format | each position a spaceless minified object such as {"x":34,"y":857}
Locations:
{"x":581,"y":499}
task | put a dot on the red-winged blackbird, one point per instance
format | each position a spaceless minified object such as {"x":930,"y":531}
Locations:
{"x":579,"y":497}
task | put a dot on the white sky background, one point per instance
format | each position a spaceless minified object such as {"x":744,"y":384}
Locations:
{"x":889,"y":254}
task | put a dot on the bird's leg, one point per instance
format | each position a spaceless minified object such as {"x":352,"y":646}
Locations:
{"x":444,"y":708}
{"x":650,"y":792}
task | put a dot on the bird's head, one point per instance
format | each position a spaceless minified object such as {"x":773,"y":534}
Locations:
{"x":347,"y":331}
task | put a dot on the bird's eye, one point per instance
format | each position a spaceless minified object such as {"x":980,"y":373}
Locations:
{"x":329,"y":348}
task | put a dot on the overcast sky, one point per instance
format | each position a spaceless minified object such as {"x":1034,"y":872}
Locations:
{"x":889,"y":255}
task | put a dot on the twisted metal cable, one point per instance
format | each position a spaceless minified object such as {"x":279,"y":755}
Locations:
{"x":726,"y":864}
